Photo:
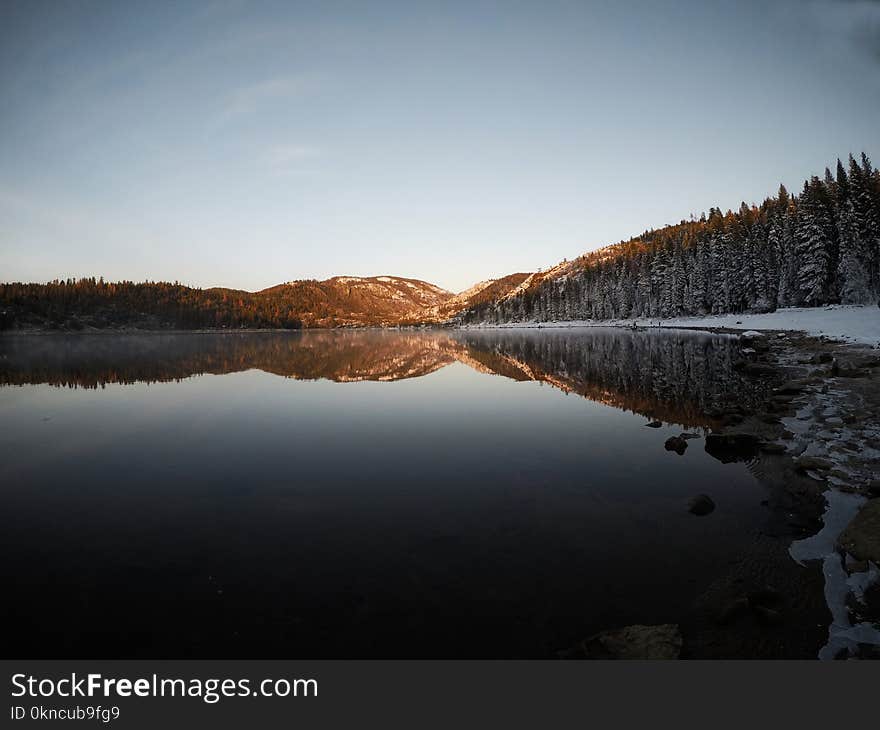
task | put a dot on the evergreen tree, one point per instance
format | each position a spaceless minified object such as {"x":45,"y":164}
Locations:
{"x":814,"y":244}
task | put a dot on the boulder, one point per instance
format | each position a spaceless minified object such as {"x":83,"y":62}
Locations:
{"x":870,"y":361}
{"x":734,"y":446}
{"x":635,"y":642}
{"x":774,"y":448}
{"x":810,"y":463}
{"x":846,"y":370}
{"x":861,"y":537}
{"x":676,"y":444}
{"x":700,"y":505}
{"x":654,"y":424}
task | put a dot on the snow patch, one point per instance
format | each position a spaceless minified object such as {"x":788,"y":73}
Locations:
{"x":848,"y":323}
{"x":842,"y":634}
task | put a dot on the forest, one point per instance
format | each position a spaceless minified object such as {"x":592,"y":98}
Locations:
{"x":76,"y":304}
{"x":816,"y":248}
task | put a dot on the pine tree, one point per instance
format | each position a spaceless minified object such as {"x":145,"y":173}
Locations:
{"x":852,"y":266}
{"x":813,"y":244}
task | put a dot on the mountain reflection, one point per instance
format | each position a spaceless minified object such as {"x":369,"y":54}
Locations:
{"x":674,"y":376}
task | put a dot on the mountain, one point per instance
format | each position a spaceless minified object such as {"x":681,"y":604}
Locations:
{"x":484,"y":291}
{"x":354,"y":301}
{"x":341,"y":301}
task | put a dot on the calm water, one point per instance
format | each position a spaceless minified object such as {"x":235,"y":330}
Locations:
{"x":368,"y":494}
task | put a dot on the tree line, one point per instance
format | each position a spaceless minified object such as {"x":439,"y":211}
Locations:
{"x":816,"y":248}
{"x":89,"y":302}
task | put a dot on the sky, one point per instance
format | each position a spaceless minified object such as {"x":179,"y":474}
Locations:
{"x":241,"y":144}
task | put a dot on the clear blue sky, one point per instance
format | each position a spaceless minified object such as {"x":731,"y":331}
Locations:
{"x":244,"y":144}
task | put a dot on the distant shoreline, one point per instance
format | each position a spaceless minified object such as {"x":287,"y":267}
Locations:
{"x":850,"y":324}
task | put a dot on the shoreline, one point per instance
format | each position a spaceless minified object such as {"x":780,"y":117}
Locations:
{"x":814,"y":445}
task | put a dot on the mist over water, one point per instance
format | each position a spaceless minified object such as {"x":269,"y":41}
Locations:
{"x":359,"y":494}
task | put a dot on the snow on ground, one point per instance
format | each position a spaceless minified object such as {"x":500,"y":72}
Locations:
{"x":843,"y":635}
{"x":849,"y":323}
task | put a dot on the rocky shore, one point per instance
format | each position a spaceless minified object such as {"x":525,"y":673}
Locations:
{"x":809,"y":585}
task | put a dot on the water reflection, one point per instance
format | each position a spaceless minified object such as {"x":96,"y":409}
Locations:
{"x":674,"y":376}
{"x":454,"y":509}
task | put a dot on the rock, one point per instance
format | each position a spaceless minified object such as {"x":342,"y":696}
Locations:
{"x":676,"y":444}
{"x":867,"y":362}
{"x":783,"y":399}
{"x":834,"y":421}
{"x":687,"y":435}
{"x":807,"y":463}
{"x":635,"y":642}
{"x":822,"y":358}
{"x":759,"y":368}
{"x":700,"y":505}
{"x":790,"y":388}
{"x":861,"y":537}
{"x":857,"y":566}
{"x":846,"y":370}
{"x":774,"y":448}
{"x":727,"y":447}
{"x":874,"y":488}
{"x":654,"y":424}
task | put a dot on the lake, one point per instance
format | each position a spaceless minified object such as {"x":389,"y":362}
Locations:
{"x":360,"y":493}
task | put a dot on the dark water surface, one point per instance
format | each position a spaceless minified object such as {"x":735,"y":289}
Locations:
{"x":358,"y":494}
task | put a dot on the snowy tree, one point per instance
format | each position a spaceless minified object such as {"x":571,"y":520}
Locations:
{"x":813,"y":244}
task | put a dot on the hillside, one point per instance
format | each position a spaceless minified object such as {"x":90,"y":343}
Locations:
{"x":352,"y":301}
{"x":813,"y":249}
{"x":341,"y":301}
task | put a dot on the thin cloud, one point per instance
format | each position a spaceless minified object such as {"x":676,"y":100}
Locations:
{"x":252,"y":98}
{"x":290,"y":157}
